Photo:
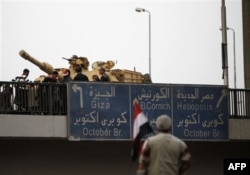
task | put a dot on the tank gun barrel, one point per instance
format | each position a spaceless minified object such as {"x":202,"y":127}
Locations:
{"x":46,"y":67}
{"x":68,"y":59}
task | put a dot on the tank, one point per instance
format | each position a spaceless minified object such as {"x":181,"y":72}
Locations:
{"x":115,"y":75}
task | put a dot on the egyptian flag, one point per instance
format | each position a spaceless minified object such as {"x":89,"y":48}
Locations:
{"x":141,"y":128}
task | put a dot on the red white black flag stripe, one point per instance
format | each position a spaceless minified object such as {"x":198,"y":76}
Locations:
{"x":141,"y":128}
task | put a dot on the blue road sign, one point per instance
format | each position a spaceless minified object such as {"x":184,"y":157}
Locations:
{"x":104,"y":111}
{"x":200,"y":112}
{"x":99,"y":111}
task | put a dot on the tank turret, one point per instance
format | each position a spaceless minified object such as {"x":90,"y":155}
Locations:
{"x":84,"y":64}
{"x":46,"y":67}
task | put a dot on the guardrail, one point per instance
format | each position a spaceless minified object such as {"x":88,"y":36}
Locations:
{"x":239,"y":103}
{"x":51,"y":99}
{"x":33,"y":98}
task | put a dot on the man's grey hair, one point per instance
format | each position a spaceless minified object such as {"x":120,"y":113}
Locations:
{"x":163,"y":123}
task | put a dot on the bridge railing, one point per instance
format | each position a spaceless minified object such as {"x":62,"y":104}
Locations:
{"x":33,"y":98}
{"x":51,"y":99}
{"x":239,"y":103}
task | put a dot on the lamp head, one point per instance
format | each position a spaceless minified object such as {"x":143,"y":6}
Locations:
{"x":138,"y":9}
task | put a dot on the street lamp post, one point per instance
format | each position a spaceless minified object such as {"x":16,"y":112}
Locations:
{"x":138,"y":9}
{"x":224,"y":42}
{"x":234,"y":56}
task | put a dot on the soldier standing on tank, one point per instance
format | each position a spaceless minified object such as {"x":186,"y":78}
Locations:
{"x":79,"y":75}
{"x":51,"y":78}
{"x":95,"y":78}
{"x":104,"y":76}
{"x":66,"y":76}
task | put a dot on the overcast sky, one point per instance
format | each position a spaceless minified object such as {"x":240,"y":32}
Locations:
{"x":185,"y":37}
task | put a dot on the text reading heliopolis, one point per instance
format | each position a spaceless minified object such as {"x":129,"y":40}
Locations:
{"x":195,"y":107}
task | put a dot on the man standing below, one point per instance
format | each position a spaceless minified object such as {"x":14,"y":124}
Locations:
{"x":164,"y":154}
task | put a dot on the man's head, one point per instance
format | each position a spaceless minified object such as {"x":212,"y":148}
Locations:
{"x":26,"y":72}
{"x":78,"y":69}
{"x":163,"y":123}
{"x":101,"y":70}
{"x":54,"y":74}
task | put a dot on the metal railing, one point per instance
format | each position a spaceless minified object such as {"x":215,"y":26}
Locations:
{"x":51,"y":99}
{"x":33,"y":98}
{"x":239,"y":103}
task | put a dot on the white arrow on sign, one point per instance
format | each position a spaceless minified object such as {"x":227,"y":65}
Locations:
{"x":76,"y":88}
{"x":223,"y":94}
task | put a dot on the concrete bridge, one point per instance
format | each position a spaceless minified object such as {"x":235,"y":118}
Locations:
{"x":39,"y":143}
